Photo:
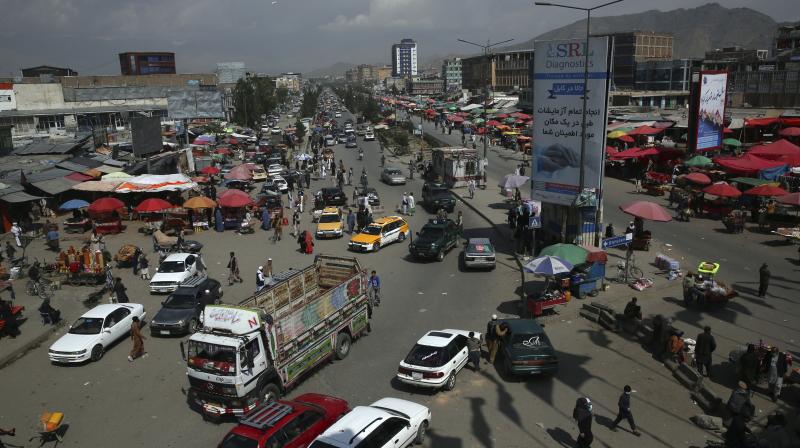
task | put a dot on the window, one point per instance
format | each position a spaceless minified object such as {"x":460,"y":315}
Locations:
{"x":47,"y":122}
{"x":383,"y":434}
{"x":301,"y":424}
{"x":116,"y":317}
{"x":254,"y":348}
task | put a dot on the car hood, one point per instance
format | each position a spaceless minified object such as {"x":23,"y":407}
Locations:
{"x":74,"y":342}
{"x":329,"y":226}
{"x":169,"y":277}
{"x":171,"y":315}
{"x":425,"y":242}
{"x":364,"y":238}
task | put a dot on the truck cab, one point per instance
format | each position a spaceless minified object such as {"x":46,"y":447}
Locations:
{"x":434,"y":239}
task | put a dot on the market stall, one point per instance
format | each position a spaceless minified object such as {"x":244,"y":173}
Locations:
{"x":80,"y":221}
{"x":556,"y":289}
{"x":234,"y":205}
{"x":106,"y":214}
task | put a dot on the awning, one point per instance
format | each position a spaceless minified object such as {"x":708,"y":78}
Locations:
{"x":19,"y":197}
{"x":79,"y":177}
{"x":154,"y":183}
{"x":755,"y":122}
{"x":96,"y":185}
{"x":777,"y":149}
{"x":55,"y":186}
{"x":748,"y":163}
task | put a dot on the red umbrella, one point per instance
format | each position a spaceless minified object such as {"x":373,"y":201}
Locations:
{"x":698,"y":178}
{"x":501,"y":116}
{"x":722,"y":189}
{"x":626,"y":139}
{"x":521,"y":115}
{"x":106,"y":205}
{"x":210,"y":170}
{"x":224,"y":151}
{"x":790,"y":132}
{"x":646,"y":210}
{"x":239,"y":172}
{"x":234,"y":199}
{"x":790,"y":199}
{"x":493,"y":123}
{"x":153,"y":205}
{"x":766,"y":190}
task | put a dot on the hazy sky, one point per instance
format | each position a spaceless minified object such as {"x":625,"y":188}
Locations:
{"x":298,"y":35}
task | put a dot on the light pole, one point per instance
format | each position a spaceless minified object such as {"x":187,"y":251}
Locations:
{"x":487,"y":56}
{"x":581,"y":181}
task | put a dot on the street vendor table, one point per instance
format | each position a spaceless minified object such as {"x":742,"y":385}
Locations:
{"x":106,"y":227}
{"x":537,"y":305}
{"x":77,"y":225}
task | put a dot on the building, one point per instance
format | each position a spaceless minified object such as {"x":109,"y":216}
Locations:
{"x":733,"y":59}
{"x":230,"y":72}
{"x":404,"y":58}
{"x":506,"y":71}
{"x":290,"y":80}
{"x":351,"y":75}
{"x":674,"y":75}
{"x":381,"y":73}
{"x":786,"y":38}
{"x":451,"y":74}
{"x":425,"y":86}
{"x":47,"y":70}
{"x":366,"y":73}
{"x":629,"y":48}
{"x":147,"y":63}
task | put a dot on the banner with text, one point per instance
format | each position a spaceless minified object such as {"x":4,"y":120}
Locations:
{"x":558,"y":84}
{"x":711,"y":110}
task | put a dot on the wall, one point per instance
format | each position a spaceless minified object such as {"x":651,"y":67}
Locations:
{"x":39,"y":96}
{"x":8,"y":100}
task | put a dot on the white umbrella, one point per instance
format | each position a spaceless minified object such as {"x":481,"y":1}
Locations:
{"x":512,"y":181}
{"x":548,"y":265}
{"x":302,"y":156}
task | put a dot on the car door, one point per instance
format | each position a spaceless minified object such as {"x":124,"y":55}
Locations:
{"x":460,"y":351}
{"x":392,"y":433}
{"x":119,"y":322}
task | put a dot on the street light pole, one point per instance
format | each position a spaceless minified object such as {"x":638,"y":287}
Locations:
{"x":487,"y":57}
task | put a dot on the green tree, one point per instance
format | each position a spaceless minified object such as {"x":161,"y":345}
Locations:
{"x":244,"y":104}
{"x":281,"y":93}
{"x":300,"y":129}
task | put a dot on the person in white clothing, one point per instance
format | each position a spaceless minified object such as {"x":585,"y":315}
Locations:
{"x":411,"y":203}
{"x":16,"y":230}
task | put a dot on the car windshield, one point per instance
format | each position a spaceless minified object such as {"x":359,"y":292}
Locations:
{"x":180,"y":302}
{"x":529,"y":341}
{"x":87,"y":325}
{"x":430,"y":233}
{"x":238,"y":441}
{"x":393,"y":172}
{"x":441,"y":194}
{"x":372,"y":230}
{"x":426,"y":356}
{"x":329,"y":218}
{"x":212,"y":358}
{"x":330,"y":192}
{"x":168,"y":267}
{"x":480,"y":248}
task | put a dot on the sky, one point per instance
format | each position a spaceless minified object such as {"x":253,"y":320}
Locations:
{"x":287,"y":35}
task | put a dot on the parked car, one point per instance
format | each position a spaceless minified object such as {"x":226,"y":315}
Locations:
{"x":436,"y":196}
{"x":526,"y":348}
{"x":387,"y":423}
{"x":275,"y":130}
{"x":381,"y":232}
{"x":180,"y":313}
{"x":285,"y":423}
{"x":93,"y":332}
{"x":274,"y":169}
{"x":435,"y":239}
{"x":333,"y":196}
{"x":174,"y":270}
{"x":436,"y":359}
{"x":479,"y":253}
{"x":329,"y":224}
{"x":393,"y":176}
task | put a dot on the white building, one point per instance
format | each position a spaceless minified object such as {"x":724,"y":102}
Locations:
{"x":404,"y":58}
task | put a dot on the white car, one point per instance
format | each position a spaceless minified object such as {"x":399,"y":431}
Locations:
{"x":90,"y":335}
{"x":330,"y":140}
{"x":279,"y":182}
{"x":174,"y":270}
{"x":369,"y":136}
{"x":387,"y":423}
{"x":275,"y":130}
{"x":436,"y":359}
{"x":275,"y":169}
{"x":258,"y":174}
{"x":338,"y":115}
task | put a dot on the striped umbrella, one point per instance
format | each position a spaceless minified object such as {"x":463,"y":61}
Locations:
{"x":548,"y":265}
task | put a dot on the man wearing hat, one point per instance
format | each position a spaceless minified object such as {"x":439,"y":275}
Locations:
{"x":261,"y":282}
{"x":491,"y":337}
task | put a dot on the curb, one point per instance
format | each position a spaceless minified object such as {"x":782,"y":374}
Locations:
{"x":12,"y":357}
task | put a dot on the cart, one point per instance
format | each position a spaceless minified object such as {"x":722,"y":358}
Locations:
{"x":546,"y":301}
{"x":585,"y":279}
{"x":124,"y":256}
{"x":655,"y":183}
{"x":763,"y":350}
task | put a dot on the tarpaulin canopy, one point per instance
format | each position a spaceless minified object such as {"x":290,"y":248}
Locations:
{"x":645,"y":130}
{"x":777,"y":149}
{"x":747,"y":163}
{"x":96,"y":185}
{"x":117,"y":175}
{"x":239,"y":172}
{"x":766,"y":190}
{"x":757,"y":122}
{"x":790,"y":199}
{"x":790,"y":132}
{"x":150,"y":183}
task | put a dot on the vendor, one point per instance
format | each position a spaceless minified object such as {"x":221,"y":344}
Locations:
{"x":638,"y":226}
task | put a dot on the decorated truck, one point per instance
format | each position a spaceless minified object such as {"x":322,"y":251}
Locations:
{"x":258,"y":350}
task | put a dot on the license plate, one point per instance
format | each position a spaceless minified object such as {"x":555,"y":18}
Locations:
{"x":416,"y":375}
{"x":165,"y":332}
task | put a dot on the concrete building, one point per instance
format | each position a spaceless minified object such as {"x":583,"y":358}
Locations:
{"x":381,"y":73}
{"x":366,"y":73}
{"x":47,"y":70}
{"x":786,"y":38}
{"x":734,"y":59}
{"x":675,"y":75}
{"x":230,"y":72}
{"x":147,"y":63}
{"x":351,"y":75}
{"x":451,"y":74}
{"x":404,"y":58}
{"x":506,"y":71}
{"x":425,"y":86}
{"x":629,"y":48}
{"x":292,"y":81}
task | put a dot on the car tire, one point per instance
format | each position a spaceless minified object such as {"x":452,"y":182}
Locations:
{"x":193,"y":326}
{"x":451,"y":382}
{"x":401,"y":237}
{"x":420,"y":438}
{"x":375,"y":247}
{"x":270,"y":393}
{"x":97,"y":353}
{"x":343,"y":344}
{"x":440,"y":255}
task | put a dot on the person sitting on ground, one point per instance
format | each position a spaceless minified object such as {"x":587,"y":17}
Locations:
{"x":633,"y":310}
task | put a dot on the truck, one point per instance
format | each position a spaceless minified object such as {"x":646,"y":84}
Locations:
{"x":258,"y":350}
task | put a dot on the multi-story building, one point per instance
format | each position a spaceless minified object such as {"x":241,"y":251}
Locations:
{"x":351,"y":75}
{"x":786,"y":38}
{"x":404,"y":58}
{"x":425,"y":86}
{"x":381,"y":73}
{"x":291,"y":81}
{"x":230,"y":72}
{"x":451,"y":74}
{"x":147,"y":63}
{"x":366,"y":73}
{"x":505,"y":71}
{"x":674,"y":75}
{"x":629,"y":48}
{"x":734,"y":59}
{"x":47,"y":70}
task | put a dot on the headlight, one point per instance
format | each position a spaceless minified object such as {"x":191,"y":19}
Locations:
{"x":80,"y":352}
{"x":433,"y":245}
{"x":181,"y":322}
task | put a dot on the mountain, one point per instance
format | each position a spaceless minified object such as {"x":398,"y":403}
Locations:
{"x":695,"y":30}
{"x":336,"y":69}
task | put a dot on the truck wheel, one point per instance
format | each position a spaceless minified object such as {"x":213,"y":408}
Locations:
{"x":270,"y":392}
{"x":440,"y":255}
{"x":343,"y":342}
{"x":451,"y":382}
{"x":97,"y":353}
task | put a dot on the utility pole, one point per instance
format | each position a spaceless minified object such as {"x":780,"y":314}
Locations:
{"x":488,"y":58}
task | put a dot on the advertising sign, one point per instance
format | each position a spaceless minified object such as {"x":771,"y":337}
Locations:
{"x":558,"y":82}
{"x":146,"y":135}
{"x":711,"y":110}
{"x":7,"y":98}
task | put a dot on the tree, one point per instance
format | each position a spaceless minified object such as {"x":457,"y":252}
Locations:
{"x":281,"y":93}
{"x":244,"y":104}
{"x":300,"y":129}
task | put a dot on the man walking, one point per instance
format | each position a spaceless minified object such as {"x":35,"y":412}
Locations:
{"x":138,"y":340}
{"x":763,"y":280}
{"x":375,"y":288}
{"x":16,"y":230}
{"x":233,"y":270}
{"x":471,"y":188}
{"x":490,"y":336}
{"x":704,"y":347}
{"x":624,"y":404}
{"x":583,"y":416}
{"x":411,"y":204}
{"x":351,"y":221}
{"x":474,"y":345}
{"x":776,"y":370}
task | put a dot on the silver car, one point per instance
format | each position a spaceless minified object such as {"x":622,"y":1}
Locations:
{"x":479,"y":253}
{"x":393,"y":176}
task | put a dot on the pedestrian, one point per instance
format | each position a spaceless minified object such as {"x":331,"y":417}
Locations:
{"x":16,"y":230}
{"x":144,"y":267}
{"x":705,"y":345}
{"x":278,"y":227}
{"x":474,"y":354}
{"x":138,"y":340}
{"x":748,"y":366}
{"x":522,"y":169}
{"x":351,"y":220}
{"x":350,"y":176}
{"x":309,"y":239}
{"x":265,"y":218}
{"x":776,"y":370}
{"x":135,"y":261}
{"x":624,"y":404}
{"x":633,"y":312}
{"x":638,"y":182}
{"x":301,"y":200}
{"x":295,"y":223}
{"x":688,"y":289}
{"x":583,"y":415}
{"x":675,"y":346}
{"x":301,"y":240}
{"x":233,"y":270}
{"x":375,"y":288}
{"x":739,"y":401}
{"x":10,"y":326}
{"x":119,"y":291}
{"x":471,"y":188}
{"x":404,"y":204}
{"x":261,"y":281}
{"x":460,"y":224}
{"x":763,"y":279}
{"x":500,"y":331}
{"x":412,"y":204}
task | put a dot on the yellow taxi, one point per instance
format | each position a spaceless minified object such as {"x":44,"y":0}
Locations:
{"x":381,"y":232}
{"x":330,"y":223}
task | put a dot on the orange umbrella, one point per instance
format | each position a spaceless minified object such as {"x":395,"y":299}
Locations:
{"x":199,"y":202}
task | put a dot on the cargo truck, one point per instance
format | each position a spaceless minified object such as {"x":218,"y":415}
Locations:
{"x":258,"y":350}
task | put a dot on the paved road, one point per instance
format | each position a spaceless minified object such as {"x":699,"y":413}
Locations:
{"x":142,"y":404}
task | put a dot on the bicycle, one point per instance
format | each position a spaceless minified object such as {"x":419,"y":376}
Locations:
{"x":629,"y":270}
{"x":41,"y":288}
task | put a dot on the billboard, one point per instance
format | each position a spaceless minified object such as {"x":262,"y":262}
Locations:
{"x":146,"y":135}
{"x":189,"y":103}
{"x":711,"y":110}
{"x":558,"y":81}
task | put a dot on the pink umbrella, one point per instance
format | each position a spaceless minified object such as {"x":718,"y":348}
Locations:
{"x":646,"y":210}
{"x":790,"y":199}
{"x":698,"y":178}
{"x":235,"y":199}
{"x":766,"y":190}
{"x":722,"y":189}
{"x":790,"y":132}
{"x":240,"y":172}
